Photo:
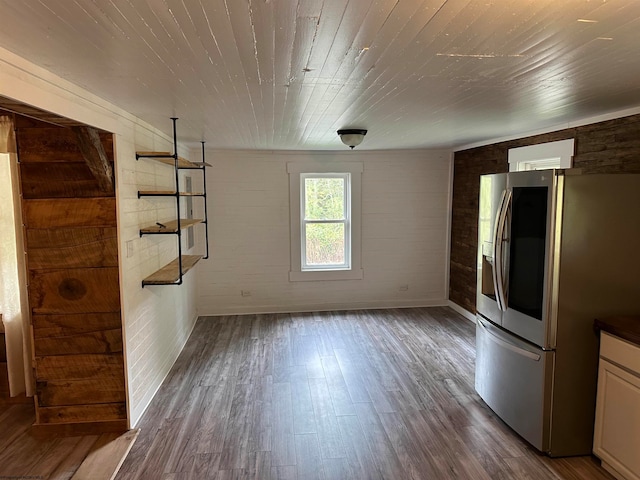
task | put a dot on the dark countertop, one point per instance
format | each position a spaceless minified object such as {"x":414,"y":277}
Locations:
{"x":626,"y":327}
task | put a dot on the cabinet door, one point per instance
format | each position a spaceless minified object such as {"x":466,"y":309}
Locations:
{"x":617,"y":428}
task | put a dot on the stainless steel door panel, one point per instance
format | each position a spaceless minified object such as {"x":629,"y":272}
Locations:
{"x":531,"y":319}
{"x":492,"y":191}
{"x":514,"y":379}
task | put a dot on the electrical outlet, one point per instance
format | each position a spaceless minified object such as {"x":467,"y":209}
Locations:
{"x":245,"y":293}
{"x":403,"y":288}
{"x":130,"y":248}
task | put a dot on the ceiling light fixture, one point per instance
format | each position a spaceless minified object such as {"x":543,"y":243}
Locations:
{"x":352,"y":137}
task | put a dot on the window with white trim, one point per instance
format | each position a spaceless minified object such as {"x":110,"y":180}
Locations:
{"x":542,"y":156}
{"x":325,"y":221}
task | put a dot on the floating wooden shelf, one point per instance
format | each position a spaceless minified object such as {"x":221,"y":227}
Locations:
{"x":170,"y":226}
{"x":167,"y":193}
{"x":167,"y":158}
{"x":170,"y":274}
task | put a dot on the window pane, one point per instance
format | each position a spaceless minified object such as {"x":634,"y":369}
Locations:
{"x":325,"y":244}
{"x":324,"y":198}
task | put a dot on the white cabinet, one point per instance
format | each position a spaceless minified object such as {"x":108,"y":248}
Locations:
{"x":617,"y":427}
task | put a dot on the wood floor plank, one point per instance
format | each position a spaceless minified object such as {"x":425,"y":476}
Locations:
{"x":304,"y":350}
{"x":378,"y":442}
{"x":205,"y":466}
{"x":337,"y":386}
{"x":54,"y":457}
{"x":154,"y":463}
{"x":352,"y":375}
{"x":576,"y":468}
{"x":335,"y":395}
{"x":235,"y":451}
{"x":413,"y":457}
{"x":210,"y":433}
{"x":335,"y":468}
{"x":259,"y":466}
{"x":286,"y":472}
{"x":360,"y":459}
{"x":106,"y":456}
{"x":329,"y":437}
{"x":303,"y":418}
{"x":283,"y":447}
{"x":261,"y":436}
{"x":282,"y":359}
{"x":184,"y":443}
{"x":15,"y":422}
{"x":308,"y":461}
{"x":71,"y":460}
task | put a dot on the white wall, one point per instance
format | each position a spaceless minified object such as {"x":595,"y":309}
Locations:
{"x":405,"y":225}
{"x":157,"y":320}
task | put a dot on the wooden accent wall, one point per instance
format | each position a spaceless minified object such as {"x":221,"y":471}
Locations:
{"x":606,"y":147}
{"x":74,"y":293}
{"x":4,"y":374}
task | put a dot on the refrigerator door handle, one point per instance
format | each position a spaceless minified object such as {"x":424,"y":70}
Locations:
{"x":503,"y":343}
{"x":498,"y":253}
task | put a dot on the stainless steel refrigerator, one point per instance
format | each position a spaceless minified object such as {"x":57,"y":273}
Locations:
{"x":556,"y":250}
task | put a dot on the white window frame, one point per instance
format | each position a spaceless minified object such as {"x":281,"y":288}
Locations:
{"x":297,"y":172}
{"x":542,"y":156}
{"x":345,"y":220}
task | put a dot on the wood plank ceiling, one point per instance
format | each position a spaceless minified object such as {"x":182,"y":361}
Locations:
{"x":286,"y":74}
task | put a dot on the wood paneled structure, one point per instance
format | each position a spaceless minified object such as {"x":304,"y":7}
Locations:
{"x":606,"y":147}
{"x":381,"y":394}
{"x":74,"y":293}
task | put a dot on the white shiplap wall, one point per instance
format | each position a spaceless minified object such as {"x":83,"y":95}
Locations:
{"x":157,"y":320}
{"x":405,"y":224}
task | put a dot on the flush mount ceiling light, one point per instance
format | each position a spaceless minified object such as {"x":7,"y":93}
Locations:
{"x":352,"y":137}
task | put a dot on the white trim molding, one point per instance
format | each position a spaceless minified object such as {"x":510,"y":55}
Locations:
{"x":462,"y":311}
{"x":295,"y":169}
{"x":543,"y":155}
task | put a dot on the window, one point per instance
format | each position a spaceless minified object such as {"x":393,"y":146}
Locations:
{"x":325,"y":226}
{"x":542,"y":156}
{"x":325,"y":221}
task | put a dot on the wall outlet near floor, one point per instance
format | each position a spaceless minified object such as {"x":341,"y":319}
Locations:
{"x":403,"y":288}
{"x":131,"y":249}
{"x":245,"y":293}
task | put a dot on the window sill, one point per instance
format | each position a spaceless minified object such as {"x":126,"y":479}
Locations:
{"x":354,"y":274}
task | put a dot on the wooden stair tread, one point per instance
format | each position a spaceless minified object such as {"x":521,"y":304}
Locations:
{"x":106,"y":456}
{"x":170,"y":274}
{"x":167,"y":158}
{"x":170,"y":226}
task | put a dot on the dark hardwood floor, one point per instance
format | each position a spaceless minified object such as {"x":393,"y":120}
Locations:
{"x":385,"y":394}
{"x":24,"y":455}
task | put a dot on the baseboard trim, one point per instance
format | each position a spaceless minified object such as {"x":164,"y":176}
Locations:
{"x":462,"y":311}
{"x":325,"y":307}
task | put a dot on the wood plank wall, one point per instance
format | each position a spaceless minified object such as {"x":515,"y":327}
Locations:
{"x":74,"y":294}
{"x":4,"y":378}
{"x":606,"y":147}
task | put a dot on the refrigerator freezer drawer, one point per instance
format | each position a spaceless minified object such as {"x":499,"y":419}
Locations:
{"x":514,"y":379}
